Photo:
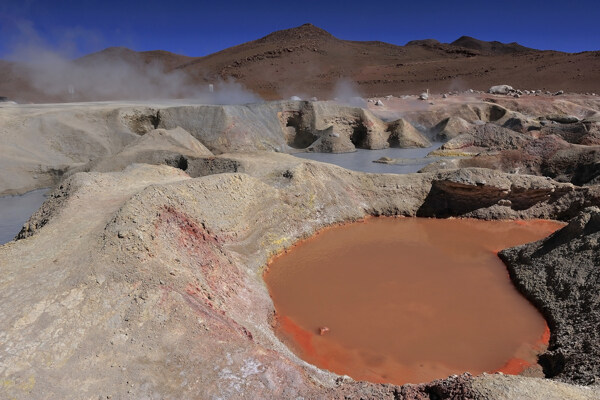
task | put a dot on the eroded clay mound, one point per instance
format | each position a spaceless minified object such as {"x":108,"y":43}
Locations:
{"x":483,"y":138}
{"x":42,"y":143}
{"x":160,"y":146}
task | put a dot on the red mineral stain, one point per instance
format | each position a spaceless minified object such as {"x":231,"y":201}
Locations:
{"x":217,"y":278}
{"x":545,"y":339}
{"x":186,"y":235}
{"x":516,"y":365}
{"x":301,"y":337}
{"x":408,"y":300}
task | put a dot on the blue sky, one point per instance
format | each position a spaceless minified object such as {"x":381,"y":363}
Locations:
{"x":197,"y":28}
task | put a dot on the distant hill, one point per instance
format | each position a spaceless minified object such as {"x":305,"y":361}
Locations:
{"x":309,"y":61}
{"x":167,"y":59}
{"x":490,"y":47}
{"x":424,"y":42}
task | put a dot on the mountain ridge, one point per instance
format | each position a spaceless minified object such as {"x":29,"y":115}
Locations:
{"x":309,"y":61}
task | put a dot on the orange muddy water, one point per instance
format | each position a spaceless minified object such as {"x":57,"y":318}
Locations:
{"x":408,"y":300}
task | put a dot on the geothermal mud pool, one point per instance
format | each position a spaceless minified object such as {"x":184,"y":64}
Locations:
{"x":408,"y":300}
{"x":362,"y":160}
{"x":16,"y":210}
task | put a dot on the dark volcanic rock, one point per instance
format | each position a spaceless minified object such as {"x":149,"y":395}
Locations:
{"x":561,"y":276}
{"x":484,"y":193}
{"x":572,"y":133}
{"x":484,"y":138}
{"x":578,"y":165}
{"x":453,"y":387}
{"x":204,"y":166}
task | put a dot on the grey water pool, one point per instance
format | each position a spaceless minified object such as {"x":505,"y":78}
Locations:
{"x":16,"y":210}
{"x":362,"y":160}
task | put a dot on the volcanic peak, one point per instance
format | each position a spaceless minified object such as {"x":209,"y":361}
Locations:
{"x":299,"y":33}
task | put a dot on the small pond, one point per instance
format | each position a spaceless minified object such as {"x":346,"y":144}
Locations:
{"x":16,"y":210}
{"x":362,"y":160}
{"x":408,"y":300}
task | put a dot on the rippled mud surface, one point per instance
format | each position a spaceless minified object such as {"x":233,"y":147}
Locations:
{"x":408,"y":300}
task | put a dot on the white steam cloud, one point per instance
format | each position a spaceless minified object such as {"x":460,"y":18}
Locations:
{"x":346,"y":92}
{"x":113,"y":74}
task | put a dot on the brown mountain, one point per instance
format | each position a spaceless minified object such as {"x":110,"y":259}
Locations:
{"x":490,"y":47}
{"x":167,"y":59}
{"x":309,"y":61}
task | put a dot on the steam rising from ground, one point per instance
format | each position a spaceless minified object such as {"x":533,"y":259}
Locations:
{"x":115,"y":74}
{"x":346,"y":92}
